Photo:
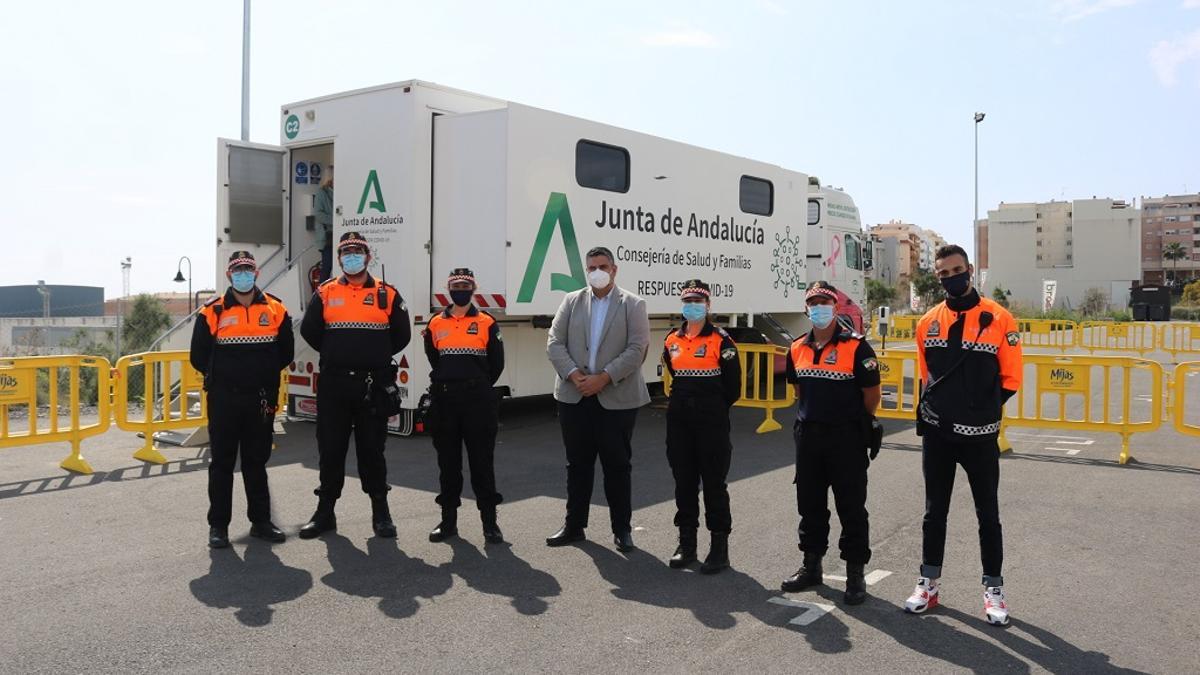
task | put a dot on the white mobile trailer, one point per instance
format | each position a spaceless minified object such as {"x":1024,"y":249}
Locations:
{"x":837,"y":249}
{"x":437,"y":178}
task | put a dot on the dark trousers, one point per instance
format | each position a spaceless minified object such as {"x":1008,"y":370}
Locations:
{"x":463,"y":414}
{"x":832,"y":456}
{"x":342,"y":409}
{"x":981,"y":462}
{"x":327,"y":257}
{"x":699,"y":451}
{"x":236,"y":425}
{"x":589,"y":430}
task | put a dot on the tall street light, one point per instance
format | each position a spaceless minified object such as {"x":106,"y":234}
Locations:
{"x":975,"y":221}
{"x":179,"y":279}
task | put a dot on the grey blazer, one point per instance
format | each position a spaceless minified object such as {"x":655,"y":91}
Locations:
{"x":624,"y":342}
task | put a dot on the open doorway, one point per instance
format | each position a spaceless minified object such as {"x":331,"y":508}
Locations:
{"x":311,"y":184}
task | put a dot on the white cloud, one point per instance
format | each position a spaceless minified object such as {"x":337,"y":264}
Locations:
{"x":777,"y":8}
{"x":1074,"y":10}
{"x":1167,"y":56}
{"x":684,"y":37}
{"x":1191,"y":4}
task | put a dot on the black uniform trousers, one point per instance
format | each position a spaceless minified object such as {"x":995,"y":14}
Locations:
{"x":699,"y":452}
{"x":981,"y":461}
{"x":344,"y":405}
{"x":832,"y":456}
{"x":236,"y":426}
{"x":465,"y":413}
{"x":590,"y":430}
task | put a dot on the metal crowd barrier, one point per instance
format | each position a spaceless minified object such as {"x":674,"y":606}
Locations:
{"x":1102,"y":384}
{"x":1179,"y":338}
{"x":1048,"y":333}
{"x":1179,"y":399}
{"x":31,"y":382}
{"x":1118,"y":336}
{"x":166,"y":385}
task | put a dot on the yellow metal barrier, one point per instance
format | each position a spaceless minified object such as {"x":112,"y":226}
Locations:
{"x":30,"y":381}
{"x":898,"y":368}
{"x":1048,"y":333}
{"x":1100,"y":385}
{"x":1179,"y":404}
{"x":762,"y":386}
{"x":900,"y":327}
{"x":1118,"y":336}
{"x":1179,"y":338}
{"x":158,"y":372}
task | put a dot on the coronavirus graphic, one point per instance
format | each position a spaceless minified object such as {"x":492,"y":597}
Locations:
{"x":788,"y":264}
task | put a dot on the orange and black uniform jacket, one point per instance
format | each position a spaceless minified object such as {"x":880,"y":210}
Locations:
{"x":832,"y":378}
{"x":705,"y":365}
{"x":462,"y":348}
{"x":346,"y":324}
{"x":968,"y":404}
{"x":241,"y":348}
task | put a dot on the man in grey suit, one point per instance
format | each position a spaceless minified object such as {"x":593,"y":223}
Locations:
{"x":597,"y":344}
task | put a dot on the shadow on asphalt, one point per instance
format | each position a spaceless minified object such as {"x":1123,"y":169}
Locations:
{"x":251,"y":584}
{"x":1133,"y":464}
{"x":498,"y":571}
{"x":71,"y":481}
{"x":383,"y":571}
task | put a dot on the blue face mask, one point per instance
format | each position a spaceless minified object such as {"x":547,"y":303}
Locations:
{"x":353,"y":263}
{"x":243,"y":282}
{"x":821,"y":315}
{"x":694,"y":311}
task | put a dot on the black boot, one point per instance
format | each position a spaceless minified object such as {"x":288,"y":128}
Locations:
{"x":381,"y":517}
{"x":491,"y":530}
{"x":685,"y":553}
{"x":322,"y":521}
{"x":718,"y":554}
{"x":809,"y":574}
{"x":856,"y":585}
{"x":447,"y":528}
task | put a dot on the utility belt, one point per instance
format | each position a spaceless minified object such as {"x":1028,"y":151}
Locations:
{"x":450,"y":387}
{"x":358,"y":373}
{"x":379,"y":391}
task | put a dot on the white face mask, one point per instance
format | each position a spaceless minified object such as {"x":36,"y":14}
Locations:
{"x":599,"y":279}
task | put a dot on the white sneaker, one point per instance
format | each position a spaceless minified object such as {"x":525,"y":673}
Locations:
{"x":995,"y":609}
{"x":924,"y":597}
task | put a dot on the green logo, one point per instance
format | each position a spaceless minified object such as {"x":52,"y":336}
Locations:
{"x":377,"y":202}
{"x":291,"y":127}
{"x":557,"y":213}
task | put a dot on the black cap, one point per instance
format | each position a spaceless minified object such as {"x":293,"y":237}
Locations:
{"x":241,"y":259}
{"x":353,"y":238}
{"x":462,"y":274}
{"x":694,"y":288}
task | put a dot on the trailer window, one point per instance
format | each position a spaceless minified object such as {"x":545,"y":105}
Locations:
{"x":601,"y":167}
{"x":757,"y":196}
{"x":853,"y":253}
{"x":814,"y":212}
{"x":255,"y":196}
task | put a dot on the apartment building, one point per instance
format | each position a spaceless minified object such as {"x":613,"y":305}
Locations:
{"x":1167,"y":220}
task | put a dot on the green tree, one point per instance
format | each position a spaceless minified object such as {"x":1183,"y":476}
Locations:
{"x":879,"y":294}
{"x":1191,"y":294}
{"x":1001,"y":295}
{"x":1174,"y":252}
{"x":146,"y":321}
{"x":929,"y":289}
{"x":85,"y":342}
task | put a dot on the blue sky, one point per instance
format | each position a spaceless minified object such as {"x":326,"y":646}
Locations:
{"x":112,"y":109}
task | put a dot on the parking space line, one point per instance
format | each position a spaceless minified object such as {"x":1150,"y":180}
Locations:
{"x":812,"y":610}
{"x":873,"y":577}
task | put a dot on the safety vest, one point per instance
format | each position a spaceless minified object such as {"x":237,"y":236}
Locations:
{"x":350,"y":307}
{"x":698,"y":356}
{"x":973,"y":366}
{"x":461,"y":335}
{"x":242,"y":325}
{"x":829,"y":391}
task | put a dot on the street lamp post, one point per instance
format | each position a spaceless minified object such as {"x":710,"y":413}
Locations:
{"x":126,"y":265}
{"x":179,"y":279}
{"x":975,"y":219}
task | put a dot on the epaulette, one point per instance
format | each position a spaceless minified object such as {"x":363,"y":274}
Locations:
{"x":213,"y":300}
{"x":328,"y":281}
{"x":721,"y":332}
{"x":272,"y":296}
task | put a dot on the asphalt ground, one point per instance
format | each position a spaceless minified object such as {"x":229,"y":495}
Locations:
{"x":111,"y":573}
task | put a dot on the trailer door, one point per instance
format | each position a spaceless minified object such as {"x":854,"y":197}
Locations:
{"x":252,"y":209}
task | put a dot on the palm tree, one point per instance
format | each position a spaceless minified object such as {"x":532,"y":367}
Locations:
{"x":1174,"y":252}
